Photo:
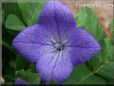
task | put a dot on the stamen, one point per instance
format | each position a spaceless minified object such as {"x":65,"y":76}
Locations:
{"x":53,"y":41}
{"x":59,"y":46}
{"x":64,"y":42}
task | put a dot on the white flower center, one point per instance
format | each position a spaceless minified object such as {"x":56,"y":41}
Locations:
{"x":58,"y":45}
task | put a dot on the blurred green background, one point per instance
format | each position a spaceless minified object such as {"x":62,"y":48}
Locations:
{"x":17,"y":16}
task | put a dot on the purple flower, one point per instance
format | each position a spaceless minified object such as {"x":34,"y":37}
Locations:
{"x":55,"y":44}
{"x":19,"y":81}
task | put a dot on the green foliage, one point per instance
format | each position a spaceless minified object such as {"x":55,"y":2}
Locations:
{"x":85,"y":18}
{"x":14,"y":23}
{"x":10,"y":8}
{"x":30,"y":11}
{"x":112,"y":25}
{"x":112,"y":31}
{"x":107,"y":70}
{"x":32,"y":78}
{"x":21,"y":63}
{"x":81,"y":75}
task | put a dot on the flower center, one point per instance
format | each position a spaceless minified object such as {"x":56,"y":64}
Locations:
{"x":59,"y":46}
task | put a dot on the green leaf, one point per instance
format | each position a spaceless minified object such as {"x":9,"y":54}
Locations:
{"x":108,"y":50}
{"x":32,"y":78}
{"x":112,"y":25}
{"x":107,"y":70}
{"x":86,"y":19}
{"x":112,"y":37}
{"x":81,"y":75}
{"x":112,"y":31}
{"x":110,"y":81}
{"x":105,"y":55}
{"x":10,"y":8}
{"x":14,"y":23}
{"x":32,"y":67}
{"x":31,"y":11}
{"x":21,"y":63}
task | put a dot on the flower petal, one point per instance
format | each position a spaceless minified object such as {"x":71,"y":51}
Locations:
{"x":32,"y":42}
{"x":54,"y":66}
{"x":57,"y":18}
{"x":82,"y":46}
{"x":19,"y":81}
